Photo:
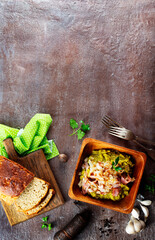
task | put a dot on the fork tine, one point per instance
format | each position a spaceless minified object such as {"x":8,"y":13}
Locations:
{"x":114,"y":122}
{"x":117,"y":130}
{"x":106,"y":118}
{"x":116,"y":135}
{"x":108,"y":122}
{"x":107,"y":125}
{"x":114,"y":131}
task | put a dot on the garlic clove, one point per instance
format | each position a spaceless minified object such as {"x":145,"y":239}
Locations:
{"x":146,"y":202}
{"x":137,"y":224}
{"x":142,"y":223}
{"x":145,"y":211}
{"x":135,"y":213}
{"x":130,"y":228}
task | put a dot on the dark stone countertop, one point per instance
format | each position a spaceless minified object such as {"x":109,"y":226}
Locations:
{"x":82,"y":60}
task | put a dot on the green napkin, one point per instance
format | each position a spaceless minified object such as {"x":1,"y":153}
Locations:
{"x":31,"y":138}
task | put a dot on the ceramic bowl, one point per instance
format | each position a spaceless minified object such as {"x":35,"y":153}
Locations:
{"x":124,"y":205}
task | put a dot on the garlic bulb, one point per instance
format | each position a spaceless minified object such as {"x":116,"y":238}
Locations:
{"x":145,"y":202}
{"x":130,"y":228}
{"x":145,"y":211}
{"x":137,"y":224}
{"x":135,"y":213}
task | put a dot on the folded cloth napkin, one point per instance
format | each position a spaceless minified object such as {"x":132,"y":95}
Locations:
{"x":31,"y":138}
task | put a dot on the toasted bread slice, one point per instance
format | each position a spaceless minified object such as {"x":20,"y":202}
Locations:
{"x":42,"y":204}
{"x":32,"y":195}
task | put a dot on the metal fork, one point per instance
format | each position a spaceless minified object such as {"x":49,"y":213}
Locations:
{"x":126,"y":134}
{"x":117,"y":130}
{"x":110,"y":123}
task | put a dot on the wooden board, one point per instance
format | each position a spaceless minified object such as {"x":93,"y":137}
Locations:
{"x":36,"y":163}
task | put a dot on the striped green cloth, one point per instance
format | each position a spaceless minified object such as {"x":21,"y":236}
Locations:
{"x":31,"y":138}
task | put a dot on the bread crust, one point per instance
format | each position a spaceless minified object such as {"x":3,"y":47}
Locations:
{"x":14,"y":178}
{"x":43,"y":203}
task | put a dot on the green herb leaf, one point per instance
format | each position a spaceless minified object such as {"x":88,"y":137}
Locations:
{"x":114,"y":164}
{"x":80,"y":134}
{"x":45,"y":219}
{"x":85,"y":127}
{"x":152,"y":178}
{"x":118,"y":168}
{"x":151,"y":184}
{"x":73,"y":123}
{"x":116,"y":161}
{"x":49,"y":227}
{"x":80,"y":131}
{"x":44,"y":225}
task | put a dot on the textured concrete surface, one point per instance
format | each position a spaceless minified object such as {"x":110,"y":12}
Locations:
{"x":82,"y":60}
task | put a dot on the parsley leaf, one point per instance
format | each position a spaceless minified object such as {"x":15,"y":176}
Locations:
{"x":116,"y":161}
{"x":85,"y":127}
{"x":81,"y":131}
{"x":45,"y":219}
{"x":80,"y":134}
{"x":44,"y":225}
{"x":118,"y":168}
{"x":73,"y":123}
{"x":114,"y":165}
{"x":49,"y":227}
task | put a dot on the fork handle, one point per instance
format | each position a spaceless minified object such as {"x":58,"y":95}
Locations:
{"x":149,"y":151}
{"x":144,"y":141}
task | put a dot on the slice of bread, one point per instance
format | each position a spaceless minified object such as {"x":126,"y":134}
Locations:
{"x":32,"y":195}
{"x":42,"y":204}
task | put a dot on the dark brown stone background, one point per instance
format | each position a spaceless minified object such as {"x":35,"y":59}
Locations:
{"x":82,"y":60}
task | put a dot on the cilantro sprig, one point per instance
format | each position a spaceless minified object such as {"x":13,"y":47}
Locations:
{"x":45,"y":224}
{"x":81,"y":130}
{"x":115,"y":165}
